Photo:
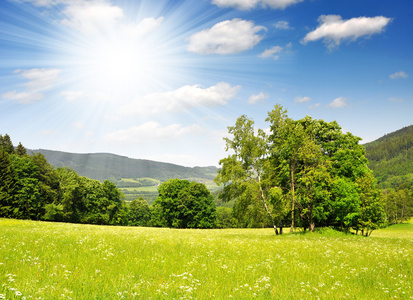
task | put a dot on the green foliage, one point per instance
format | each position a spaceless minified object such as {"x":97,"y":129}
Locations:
{"x":6,"y":144}
{"x":101,"y":166}
{"x":30,"y":188}
{"x":241,"y":175}
{"x":139,"y":213}
{"x":20,"y":150}
{"x":306,"y":172}
{"x":398,"y":204}
{"x":225,"y":218}
{"x":391,"y":158}
{"x":184,"y":204}
{"x":7,"y":185}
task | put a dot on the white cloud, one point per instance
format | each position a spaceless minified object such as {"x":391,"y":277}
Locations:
{"x":186,"y":97}
{"x":274,"y":51}
{"x":314,"y":106}
{"x":39,"y":80}
{"x":23,"y":97}
{"x":257,"y":98}
{"x":77,"y":95}
{"x":95,"y":16}
{"x":227,"y":37}
{"x":91,"y":17}
{"x":249,"y":4}
{"x":240,"y":4}
{"x":400,"y":74}
{"x":270,"y":52}
{"x":333,"y":29}
{"x":339,"y":102}
{"x":282,"y":25}
{"x":394,"y":99}
{"x":151,"y":132}
{"x":279,"y":4}
{"x":301,"y":99}
{"x":44,"y":2}
{"x":144,"y":27}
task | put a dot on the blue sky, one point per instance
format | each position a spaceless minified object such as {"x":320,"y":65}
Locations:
{"x":162,"y":80}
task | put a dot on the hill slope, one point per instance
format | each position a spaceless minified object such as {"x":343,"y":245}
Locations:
{"x":391,"y":157}
{"x":103,"y":166}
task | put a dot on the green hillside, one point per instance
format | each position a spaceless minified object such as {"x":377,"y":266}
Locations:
{"x":391,"y":158}
{"x":135,"y":177}
{"x":103,"y":166}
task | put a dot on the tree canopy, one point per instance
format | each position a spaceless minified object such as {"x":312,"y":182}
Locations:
{"x":305,"y":172}
{"x":185,"y":204}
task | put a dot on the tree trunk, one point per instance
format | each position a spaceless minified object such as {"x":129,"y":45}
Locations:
{"x":265,"y":205}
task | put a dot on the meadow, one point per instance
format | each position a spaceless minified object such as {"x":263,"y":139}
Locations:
{"x":41,"y":260}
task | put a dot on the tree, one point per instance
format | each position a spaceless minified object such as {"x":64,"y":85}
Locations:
{"x":139,"y":213}
{"x":307,"y":169}
{"x":20,"y":150}
{"x":184,"y":204}
{"x":6,"y":144}
{"x":27,"y":201}
{"x":241,"y":174}
{"x":7,"y":185}
{"x":288,"y":141}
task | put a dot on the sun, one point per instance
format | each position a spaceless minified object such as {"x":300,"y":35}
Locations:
{"x":119,"y":64}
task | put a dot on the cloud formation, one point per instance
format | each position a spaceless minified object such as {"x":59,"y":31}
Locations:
{"x":274,"y":52}
{"x":226,"y":37}
{"x":249,"y":4}
{"x":71,"y":96}
{"x":284,"y":25}
{"x":38,"y":81}
{"x":151,"y":132}
{"x":301,"y":99}
{"x":333,"y":29}
{"x":339,"y":102}
{"x":184,"y":98}
{"x":253,"y":99}
{"x":398,"y":75}
{"x":97,"y":16}
{"x":270,"y":52}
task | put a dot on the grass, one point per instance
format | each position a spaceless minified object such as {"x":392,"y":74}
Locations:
{"x":41,"y":260}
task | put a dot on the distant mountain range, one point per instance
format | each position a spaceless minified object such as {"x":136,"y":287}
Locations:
{"x":390,"y":157}
{"x":103,"y":166}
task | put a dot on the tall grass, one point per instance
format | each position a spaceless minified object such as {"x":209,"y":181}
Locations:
{"x":40,"y":260}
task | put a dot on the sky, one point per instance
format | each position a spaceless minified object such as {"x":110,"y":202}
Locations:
{"x":162,"y":80}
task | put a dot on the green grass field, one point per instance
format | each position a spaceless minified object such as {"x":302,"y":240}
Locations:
{"x":41,"y":260}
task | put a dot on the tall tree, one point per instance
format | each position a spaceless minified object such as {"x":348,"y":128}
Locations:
{"x":20,"y":150}
{"x":288,"y":141}
{"x":7,"y":185}
{"x":241,"y":174}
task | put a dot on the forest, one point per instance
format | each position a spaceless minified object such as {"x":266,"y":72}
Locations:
{"x":301,"y":174}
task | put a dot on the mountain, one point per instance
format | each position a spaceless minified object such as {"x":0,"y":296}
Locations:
{"x":103,"y":166}
{"x":391,"y":158}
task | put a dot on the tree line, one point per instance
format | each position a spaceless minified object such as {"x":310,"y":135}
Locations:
{"x":31,"y":188}
{"x":300,"y":173}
